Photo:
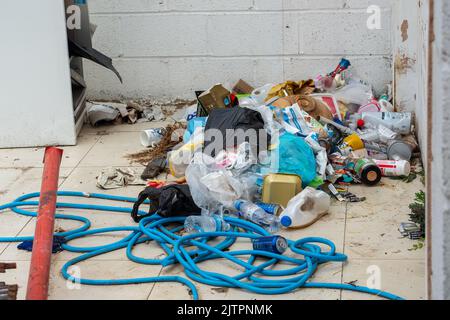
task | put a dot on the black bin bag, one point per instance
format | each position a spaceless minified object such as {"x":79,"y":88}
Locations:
{"x":236,"y":126}
{"x":168,"y":201}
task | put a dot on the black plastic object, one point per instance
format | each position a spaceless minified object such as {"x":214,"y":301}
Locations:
{"x":154,"y":168}
{"x":168,"y":201}
{"x":93,"y":55}
{"x":370,"y":175}
{"x":237,"y":118}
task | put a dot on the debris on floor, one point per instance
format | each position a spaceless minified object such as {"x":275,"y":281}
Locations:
{"x":252,"y":163}
{"x":114,"y":178}
{"x":7,"y":292}
{"x":131,"y":112}
{"x":311,"y":139}
{"x":172,"y":137}
{"x":417,"y":215}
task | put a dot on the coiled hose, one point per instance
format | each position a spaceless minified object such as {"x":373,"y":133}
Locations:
{"x":259,"y":278}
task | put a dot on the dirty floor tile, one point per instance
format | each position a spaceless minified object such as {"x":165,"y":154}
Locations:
{"x":33,"y":157}
{"x":372,"y":226}
{"x":404,"y":278}
{"x":61,"y":289}
{"x":112,"y":149}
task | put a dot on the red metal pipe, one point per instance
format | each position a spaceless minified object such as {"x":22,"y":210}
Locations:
{"x":39,"y":276}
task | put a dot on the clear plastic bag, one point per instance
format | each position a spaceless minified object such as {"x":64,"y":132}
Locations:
{"x":270,"y":124}
{"x":213,"y":187}
{"x":180,"y":158}
{"x":355,"y":93}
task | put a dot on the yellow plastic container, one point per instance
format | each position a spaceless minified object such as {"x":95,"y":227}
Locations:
{"x":280,"y":188}
{"x":352,"y":143}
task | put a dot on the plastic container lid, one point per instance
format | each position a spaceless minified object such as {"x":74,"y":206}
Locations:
{"x":286,"y":221}
{"x":238,"y":204}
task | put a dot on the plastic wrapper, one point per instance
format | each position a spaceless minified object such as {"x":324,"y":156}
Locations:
{"x":270,"y":125}
{"x":321,"y":154}
{"x":355,"y":93}
{"x":213,"y":187}
{"x":180,"y":158}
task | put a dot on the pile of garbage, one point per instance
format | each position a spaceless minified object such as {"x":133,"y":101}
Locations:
{"x":275,"y":155}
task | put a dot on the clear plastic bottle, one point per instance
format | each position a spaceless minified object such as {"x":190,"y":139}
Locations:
{"x":378,"y":133}
{"x":399,"y":122}
{"x":254,"y":213}
{"x":197,"y":224}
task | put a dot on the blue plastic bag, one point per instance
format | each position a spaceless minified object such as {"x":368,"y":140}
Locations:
{"x":294,"y":156}
{"x":192,"y":125}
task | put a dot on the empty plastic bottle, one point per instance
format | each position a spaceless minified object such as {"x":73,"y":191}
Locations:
{"x":378,"y":133}
{"x":254,"y":213}
{"x":197,"y":224}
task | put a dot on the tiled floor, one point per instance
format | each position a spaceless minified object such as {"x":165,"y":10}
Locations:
{"x":366,"y":232}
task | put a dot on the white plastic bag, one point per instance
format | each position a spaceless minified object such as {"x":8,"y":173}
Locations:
{"x":180,"y":158}
{"x":355,"y":93}
{"x":212,"y":187}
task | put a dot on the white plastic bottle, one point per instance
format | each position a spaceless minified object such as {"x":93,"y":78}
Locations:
{"x":305,"y":208}
{"x":386,"y":106}
{"x":392,"y":168}
{"x":400,"y":122}
{"x":197,"y":224}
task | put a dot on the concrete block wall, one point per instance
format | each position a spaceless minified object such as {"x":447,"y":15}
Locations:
{"x":169,"y":48}
{"x":440,"y":157}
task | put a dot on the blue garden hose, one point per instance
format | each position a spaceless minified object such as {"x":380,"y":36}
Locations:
{"x":260,"y":278}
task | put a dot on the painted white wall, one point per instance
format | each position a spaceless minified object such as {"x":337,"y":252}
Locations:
{"x":410,"y":54}
{"x":441,"y":153}
{"x":35,"y":91}
{"x":169,"y":48}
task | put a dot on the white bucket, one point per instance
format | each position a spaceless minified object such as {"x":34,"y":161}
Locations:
{"x":151,"y":136}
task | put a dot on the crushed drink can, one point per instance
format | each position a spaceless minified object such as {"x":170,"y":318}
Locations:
{"x":274,"y":244}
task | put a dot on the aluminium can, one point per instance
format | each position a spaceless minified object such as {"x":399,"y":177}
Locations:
{"x":274,"y":244}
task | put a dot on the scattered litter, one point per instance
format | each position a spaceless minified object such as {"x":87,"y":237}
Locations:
{"x":410,"y":230}
{"x":154,"y":113}
{"x":305,"y":208}
{"x":242,"y":87}
{"x":97,"y":113}
{"x":168,"y":201}
{"x":150,"y":137}
{"x":171,"y":138}
{"x":220,"y":290}
{"x":216,"y":97}
{"x":154,"y":168}
{"x":280,"y":188}
{"x":331,"y":131}
{"x":114,"y":178}
{"x":7,"y":266}
{"x":417,"y":208}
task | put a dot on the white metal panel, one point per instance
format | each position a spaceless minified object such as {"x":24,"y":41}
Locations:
{"x":35,"y":89}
